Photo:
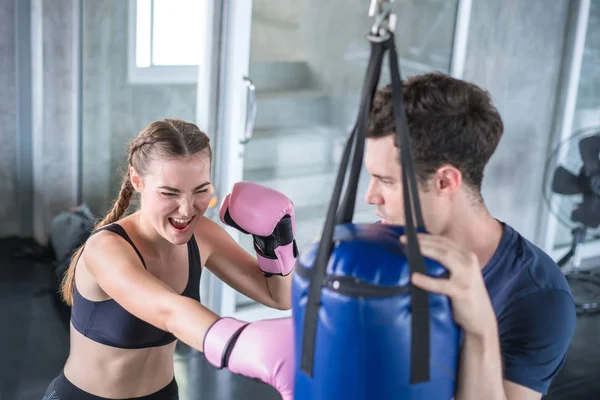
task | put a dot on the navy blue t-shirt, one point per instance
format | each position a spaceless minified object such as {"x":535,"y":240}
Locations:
{"x":534,"y":308}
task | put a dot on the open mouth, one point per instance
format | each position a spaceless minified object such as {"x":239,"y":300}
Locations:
{"x":180,"y":225}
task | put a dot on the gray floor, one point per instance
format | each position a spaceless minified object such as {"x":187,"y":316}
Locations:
{"x":34,"y":345}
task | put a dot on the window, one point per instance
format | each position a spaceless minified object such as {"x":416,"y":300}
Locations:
{"x":165,"y":41}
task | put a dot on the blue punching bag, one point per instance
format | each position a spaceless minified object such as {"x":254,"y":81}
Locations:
{"x":362,"y":331}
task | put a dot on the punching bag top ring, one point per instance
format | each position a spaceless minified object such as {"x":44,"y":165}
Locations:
{"x":385,"y":20}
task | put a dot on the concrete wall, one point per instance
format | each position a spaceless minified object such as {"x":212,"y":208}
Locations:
{"x":589,"y":84}
{"x":9,"y":210}
{"x":514,"y":51}
{"x":114,"y":110}
{"x":55,"y":146}
{"x":338,"y":50}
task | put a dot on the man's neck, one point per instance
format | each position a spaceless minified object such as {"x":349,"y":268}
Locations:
{"x":477,"y":231}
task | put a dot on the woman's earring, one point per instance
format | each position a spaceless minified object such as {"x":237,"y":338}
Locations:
{"x":213,"y":199}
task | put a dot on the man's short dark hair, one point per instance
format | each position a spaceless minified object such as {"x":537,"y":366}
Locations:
{"x":451,"y":121}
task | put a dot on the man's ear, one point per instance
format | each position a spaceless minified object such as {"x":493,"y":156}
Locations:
{"x":447,"y":180}
{"x":136,"y":180}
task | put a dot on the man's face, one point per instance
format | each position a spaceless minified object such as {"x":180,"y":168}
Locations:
{"x":385,"y":187}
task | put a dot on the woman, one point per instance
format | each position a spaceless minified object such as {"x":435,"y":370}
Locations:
{"x":134,"y":286}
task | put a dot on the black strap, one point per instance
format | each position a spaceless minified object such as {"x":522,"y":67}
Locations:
{"x":119,"y":230}
{"x":326,"y":243}
{"x":372,"y":79}
{"x":419,"y":301}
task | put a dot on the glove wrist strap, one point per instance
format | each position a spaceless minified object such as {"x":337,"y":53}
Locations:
{"x":220,"y":340}
{"x":282,"y":235}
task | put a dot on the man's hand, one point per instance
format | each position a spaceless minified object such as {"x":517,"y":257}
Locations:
{"x":471,"y":304}
{"x":480,"y":369}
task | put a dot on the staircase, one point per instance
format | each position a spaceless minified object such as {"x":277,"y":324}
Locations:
{"x":295,"y":149}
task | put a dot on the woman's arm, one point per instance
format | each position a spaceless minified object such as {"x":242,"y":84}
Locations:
{"x":239,"y":269}
{"x":261,"y":350}
{"x":120,"y":274}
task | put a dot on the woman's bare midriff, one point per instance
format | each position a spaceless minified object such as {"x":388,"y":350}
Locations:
{"x":117,"y":373}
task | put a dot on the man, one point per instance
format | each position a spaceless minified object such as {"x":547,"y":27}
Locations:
{"x":510,"y":298}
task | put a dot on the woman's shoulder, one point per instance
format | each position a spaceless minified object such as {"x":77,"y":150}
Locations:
{"x":107,"y":235}
{"x":110,"y":242}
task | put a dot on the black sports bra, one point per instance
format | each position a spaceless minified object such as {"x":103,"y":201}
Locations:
{"x":108,"y":323}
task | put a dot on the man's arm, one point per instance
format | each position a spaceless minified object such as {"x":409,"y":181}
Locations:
{"x":480,"y":372}
{"x":535,"y":335}
{"x":480,"y":367}
{"x":513,"y":358}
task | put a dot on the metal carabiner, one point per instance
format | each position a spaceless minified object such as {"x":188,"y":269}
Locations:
{"x":385,"y":20}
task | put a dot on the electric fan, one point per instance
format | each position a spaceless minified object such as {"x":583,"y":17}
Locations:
{"x":572,"y":192}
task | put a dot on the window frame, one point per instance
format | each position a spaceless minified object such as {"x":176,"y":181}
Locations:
{"x":154,"y":74}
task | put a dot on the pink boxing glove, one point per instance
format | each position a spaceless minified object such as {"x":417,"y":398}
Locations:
{"x":262,"y":350}
{"x":268,"y":216}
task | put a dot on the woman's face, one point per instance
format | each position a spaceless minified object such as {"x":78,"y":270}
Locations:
{"x":175,"y":193}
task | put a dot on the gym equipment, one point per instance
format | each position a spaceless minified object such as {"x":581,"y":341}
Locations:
{"x":267,"y":215}
{"x":69,"y":230}
{"x":577,"y":180}
{"x":259,"y":350}
{"x":362,"y":331}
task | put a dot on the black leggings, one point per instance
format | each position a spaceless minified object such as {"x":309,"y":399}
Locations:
{"x":61,"y":389}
